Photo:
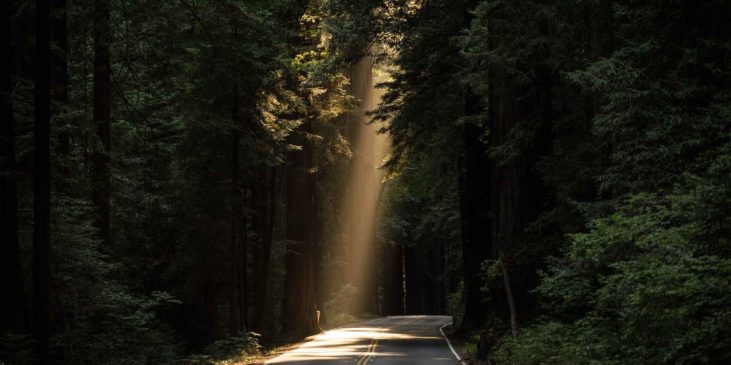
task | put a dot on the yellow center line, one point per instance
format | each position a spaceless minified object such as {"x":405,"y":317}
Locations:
{"x":374,"y":343}
{"x":369,"y":352}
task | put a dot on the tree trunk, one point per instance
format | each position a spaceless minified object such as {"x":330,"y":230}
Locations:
{"x":319,"y":264}
{"x":511,"y":300}
{"x":264,"y":207}
{"x":300,"y":318}
{"x":42,"y":189}
{"x":100,"y":160}
{"x":391,"y":271}
{"x":236,"y":304}
{"x":474,"y":201}
{"x":505,"y":189}
{"x":518,"y":194}
{"x":14,"y":316}
{"x":244,"y":277}
{"x":474,"y":207}
{"x":413,"y":293}
{"x":234,"y":295}
{"x":60,"y":77}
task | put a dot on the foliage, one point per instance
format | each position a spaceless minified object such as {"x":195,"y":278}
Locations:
{"x":598,"y":132}
{"x":620,"y":109}
{"x":642,"y":286}
{"x":341,"y":302}
{"x":187,"y":77}
{"x":229,"y":350}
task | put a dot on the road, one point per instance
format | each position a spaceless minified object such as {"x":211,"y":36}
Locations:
{"x":382,"y":341}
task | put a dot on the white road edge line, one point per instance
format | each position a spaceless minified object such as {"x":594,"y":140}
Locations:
{"x":441,"y":329}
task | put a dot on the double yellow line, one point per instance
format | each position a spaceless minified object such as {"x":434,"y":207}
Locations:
{"x":369,"y":352}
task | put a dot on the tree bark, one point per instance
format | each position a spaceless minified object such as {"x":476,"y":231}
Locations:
{"x":100,"y":160}
{"x":13,"y":317}
{"x":42,"y":189}
{"x":510,"y":298}
{"x":392,"y":279}
{"x":300,"y":318}
{"x":244,"y":277}
{"x":474,"y":201}
{"x":264,"y":210}
{"x":235,"y":292}
{"x":474,"y":209}
{"x":59,"y":73}
{"x":319,"y":264}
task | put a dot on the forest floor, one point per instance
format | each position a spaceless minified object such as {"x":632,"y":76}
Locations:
{"x":269,"y":353}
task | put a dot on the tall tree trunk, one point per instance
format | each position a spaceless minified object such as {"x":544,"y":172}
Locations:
{"x":13,"y":317}
{"x":505,"y":189}
{"x":263,"y":199}
{"x":59,"y":74}
{"x":474,"y":207}
{"x":518,"y":192}
{"x":244,"y":277}
{"x":300,"y":318}
{"x":235,"y":303}
{"x":413,"y":283}
{"x":510,"y":298}
{"x":318,"y":234}
{"x":391,"y":271}
{"x":101,"y":184}
{"x":234,"y":239}
{"x":42,"y":188}
{"x":474,"y":201}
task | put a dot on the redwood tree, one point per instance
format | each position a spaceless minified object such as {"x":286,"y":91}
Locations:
{"x":300,"y":316}
{"x":42,"y":188}
{"x":13,"y":316}
{"x":101,"y":184}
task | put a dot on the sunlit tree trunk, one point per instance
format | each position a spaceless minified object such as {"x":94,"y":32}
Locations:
{"x":42,"y":188}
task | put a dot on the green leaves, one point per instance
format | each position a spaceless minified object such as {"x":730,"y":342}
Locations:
{"x":642,"y":274}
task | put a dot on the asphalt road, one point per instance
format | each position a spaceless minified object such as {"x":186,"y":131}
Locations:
{"x":382,"y":341}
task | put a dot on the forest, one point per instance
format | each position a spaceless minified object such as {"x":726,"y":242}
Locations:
{"x":203,"y":181}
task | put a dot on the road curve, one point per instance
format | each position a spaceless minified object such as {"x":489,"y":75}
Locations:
{"x":382,"y":341}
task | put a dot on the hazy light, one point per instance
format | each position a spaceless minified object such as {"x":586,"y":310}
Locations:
{"x":362,"y":192}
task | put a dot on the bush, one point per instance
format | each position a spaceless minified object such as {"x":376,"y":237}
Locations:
{"x":229,"y":350}
{"x":647,"y":285}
